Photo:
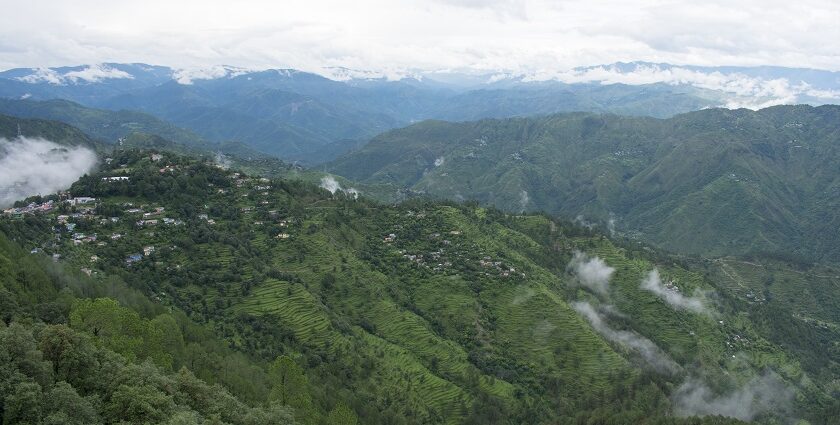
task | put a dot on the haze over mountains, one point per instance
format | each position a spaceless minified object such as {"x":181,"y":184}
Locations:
{"x":305,"y":116}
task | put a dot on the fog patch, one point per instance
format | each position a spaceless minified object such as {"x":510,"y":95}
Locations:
{"x":222,"y":161}
{"x":671,"y":295}
{"x":439,"y":161}
{"x":592,"y":273}
{"x":743,"y":90}
{"x":35,"y":166}
{"x":524,"y":199}
{"x":89,"y":74}
{"x":187,"y":76}
{"x":582,"y":221}
{"x":523,"y":294}
{"x":331,"y":184}
{"x":763,"y":394}
{"x":651,"y":354}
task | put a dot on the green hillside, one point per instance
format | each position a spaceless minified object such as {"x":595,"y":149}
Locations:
{"x":106,"y":126}
{"x":70,"y":353}
{"x":63,"y":134}
{"x":713,"y":182}
{"x":435,"y":312}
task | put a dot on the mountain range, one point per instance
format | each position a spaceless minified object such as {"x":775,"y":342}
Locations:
{"x":600,"y":245}
{"x":305,"y":116}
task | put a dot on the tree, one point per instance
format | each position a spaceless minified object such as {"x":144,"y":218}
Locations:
{"x":23,"y":404}
{"x":63,"y":405}
{"x":342,"y":415}
{"x":139,"y":404}
{"x":290,"y":387}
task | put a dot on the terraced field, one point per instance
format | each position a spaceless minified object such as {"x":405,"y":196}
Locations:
{"x":430,"y":312}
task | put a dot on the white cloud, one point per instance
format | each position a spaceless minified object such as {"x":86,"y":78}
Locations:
{"x":44,"y":75}
{"x":188,"y":75}
{"x":649,"y":351}
{"x":766,"y":393}
{"x":592,"y":273}
{"x":39,"y":167}
{"x":671,"y":294}
{"x":90,"y":74}
{"x":745,"y":91}
{"x":510,"y":35}
{"x":96,"y":73}
{"x":331,"y":184}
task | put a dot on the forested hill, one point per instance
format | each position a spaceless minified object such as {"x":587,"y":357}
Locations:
{"x":711,"y":182}
{"x":63,"y":134}
{"x":424,"y":312}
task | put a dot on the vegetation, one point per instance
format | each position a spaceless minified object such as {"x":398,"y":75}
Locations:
{"x":350,"y":311}
{"x":713,"y":182}
{"x":302,"y":116}
{"x":11,"y":127}
{"x":67,"y":357}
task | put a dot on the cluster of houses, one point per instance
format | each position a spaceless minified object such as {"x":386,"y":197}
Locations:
{"x":32,"y":208}
{"x":443,"y":258}
{"x":47,"y":206}
{"x":736,"y":343}
{"x":501,"y":268}
{"x":153,"y":217}
{"x":80,"y":238}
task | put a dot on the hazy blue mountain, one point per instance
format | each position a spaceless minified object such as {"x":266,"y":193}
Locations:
{"x":305,"y":116}
{"x":104,"y":125}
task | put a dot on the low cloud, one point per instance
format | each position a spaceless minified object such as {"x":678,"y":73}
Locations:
{"x":743,"y":91}
{"x":611,"y":226}
{"x":592,"y":273}
{"x":524,"y":200}
{"x":222,"y":161}
{"x":671,"y":294}
{"x":763,"y":394}
{"x":33,"y":166}
{"x":187,"y":76}
{"x":331,"y":184}
{"x":96,"y":73}
{"x":652,"y":354}
{"x":89,"y":74}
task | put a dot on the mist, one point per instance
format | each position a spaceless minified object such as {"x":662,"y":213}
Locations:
{"x":762,"y":394}
{"x":331,"y":184}
{"x":35,"y":166}
{"x":222,"y":161}
{"x":651,"y":353}
{"x":592,"y":273}
{"x":672,"y":297}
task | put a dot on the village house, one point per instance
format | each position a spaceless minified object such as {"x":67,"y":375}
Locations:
{"x":133,"y":258}
{"x":80,"y":200}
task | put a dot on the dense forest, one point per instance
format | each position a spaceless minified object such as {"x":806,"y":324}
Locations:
{"x":185,"y":292}
{"x":714,"y":182}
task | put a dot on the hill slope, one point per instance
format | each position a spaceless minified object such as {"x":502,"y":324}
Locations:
{"x":437,"y":312}
{"x":713,"y":182}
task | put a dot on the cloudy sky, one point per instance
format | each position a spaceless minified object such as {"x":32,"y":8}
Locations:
{"x":513,"y":35}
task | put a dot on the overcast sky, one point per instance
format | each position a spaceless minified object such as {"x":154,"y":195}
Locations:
{"x":512,"y":35}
